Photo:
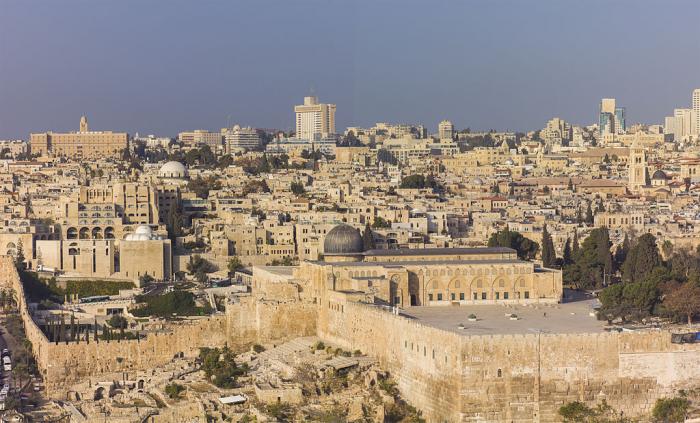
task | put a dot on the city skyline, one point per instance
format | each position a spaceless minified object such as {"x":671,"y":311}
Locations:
{"x":144,"y":70}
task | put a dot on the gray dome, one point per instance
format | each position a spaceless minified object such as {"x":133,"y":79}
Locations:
{"x":659,"y":174}
{"x":343,"y":239}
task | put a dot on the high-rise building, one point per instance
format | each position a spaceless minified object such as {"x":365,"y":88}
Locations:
{"x":620,"y":121}
{"x":241,"y":139}
{"x":696,"y":112}
{"x":611,"y":120}
{"x":314,"y":120}
{"x":680,"y":124}
{"x":446,"y":130}
{"x":79,"y":145}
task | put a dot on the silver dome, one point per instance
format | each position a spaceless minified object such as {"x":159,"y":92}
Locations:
{"x":343,"y":239}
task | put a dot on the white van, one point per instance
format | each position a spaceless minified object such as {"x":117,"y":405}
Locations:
{"x":7,"y":364}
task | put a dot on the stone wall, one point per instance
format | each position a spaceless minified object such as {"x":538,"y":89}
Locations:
{"x":513,"y":378}
{"x":242,"y":325}
{"x":449,"y":376}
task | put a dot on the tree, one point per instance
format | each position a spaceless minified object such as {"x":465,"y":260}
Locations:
{"x":201,"y":186}
{"x":368,"y":238}
{"x":589,"y":214}
{"x":670,"y":410}
{"x":19,"y":256}
{"x":298,"y":188}
{"x":574,"y":244}
{"x":642,"y":259}
{"x":684,"y":301}
{"x":526,"y":249}
{"x":570,"y":186}
{"x":145,"y":279}
{"x":199,"y":267}
{"x":234,"y":265}
{"x":568,"y":259}
{"x":118,"y":321}
{"x":579,"y":412}
{"x":603,"y":250}
{"x":591,"y":261}
{"x":380,"y":222}
{"x":549,"y":256}
{"x":173,"y":390}
{"x":622,"y":251}
{"x":173,"y":224}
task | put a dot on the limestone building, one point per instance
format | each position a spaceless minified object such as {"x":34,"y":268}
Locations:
{"x":314,"y":120}
{"x":426,"y":277}
{"x":446,"y":130}
{"x":200,"y":137}
{"x":637,"y":167}
{"x":84,"y":144}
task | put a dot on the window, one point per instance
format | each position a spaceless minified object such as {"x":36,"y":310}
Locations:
{"x":461,"y":296}
{"x":439,"y":297}
{"x":527,"y":294}
{"x":498,"y":295}
{"x":452,"y":296}
{"x":483,"y":295}
{"x":505,"y":295}
{"x":476,"y":296}
{"x":430,"y":297}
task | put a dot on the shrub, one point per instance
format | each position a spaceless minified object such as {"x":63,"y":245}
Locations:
{"x":173,"y":390}
{"x":219,"y":366}
{"x":670,"y":410}
{"x":176,"y":302}
{"x":118,"y":321}
{"x":258,"y":348}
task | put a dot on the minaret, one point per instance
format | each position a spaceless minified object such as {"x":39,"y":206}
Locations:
{"x":637,"y":167}
{"x":83,"y":124}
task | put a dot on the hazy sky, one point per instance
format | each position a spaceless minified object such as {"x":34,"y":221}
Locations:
{"x":165,"y":66}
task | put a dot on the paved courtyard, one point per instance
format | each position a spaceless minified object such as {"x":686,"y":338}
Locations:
{"x":572,"y":317}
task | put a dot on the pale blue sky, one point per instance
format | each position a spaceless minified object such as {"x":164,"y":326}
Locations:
{"x":165,"y":66}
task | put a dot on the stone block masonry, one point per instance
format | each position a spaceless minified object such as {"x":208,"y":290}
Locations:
{"x":450,"y":377}
{"x":241,"y":326}
{"x":513,"y":378}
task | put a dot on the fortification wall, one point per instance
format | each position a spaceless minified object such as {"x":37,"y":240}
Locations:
{"x":242,"y":325}
{"x":513,"y":378}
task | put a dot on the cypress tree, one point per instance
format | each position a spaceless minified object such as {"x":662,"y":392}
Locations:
{"x":567,"y":252}
{"x":574,"y":244}
{"x":603,"y":250}
{"x":641,"y":259}
{"x":589,"y":214}
{"x":548,"y":254}
{"x":367,"y":238}
{"x":622,"y":251}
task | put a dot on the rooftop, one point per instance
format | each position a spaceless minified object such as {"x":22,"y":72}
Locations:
{"x":421,"y":262}
{"x":439,"y":251}
{"x":571,"y":317}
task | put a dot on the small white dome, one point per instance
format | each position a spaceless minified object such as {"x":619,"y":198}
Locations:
{"x":478,"y":181}
{"x":173,"y":169}
{"x":144,"y":229}
{"x":142,"y":233}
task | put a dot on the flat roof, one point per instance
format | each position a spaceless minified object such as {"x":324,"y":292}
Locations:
{"x":418,"y":262}
{"x":439,"y":251}
{"x":494,"y":319}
